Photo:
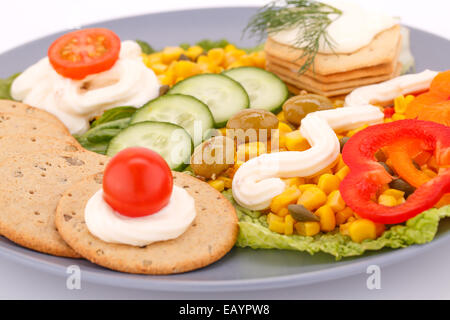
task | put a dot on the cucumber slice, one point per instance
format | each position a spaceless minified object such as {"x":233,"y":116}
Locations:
{"x":221,"y":94}
{"x":265,"y":90}
{"x":172,"y":142}
{"x":185,"y":111}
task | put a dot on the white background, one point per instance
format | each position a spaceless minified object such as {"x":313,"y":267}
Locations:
{"x":426,"y":276}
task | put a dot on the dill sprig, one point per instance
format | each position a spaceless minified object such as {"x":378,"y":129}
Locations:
{"x":312,"y":19}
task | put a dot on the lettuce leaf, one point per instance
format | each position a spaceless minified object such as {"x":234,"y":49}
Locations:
{"x":254,"y":233}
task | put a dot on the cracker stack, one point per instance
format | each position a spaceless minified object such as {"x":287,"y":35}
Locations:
{"x":337,"y":74}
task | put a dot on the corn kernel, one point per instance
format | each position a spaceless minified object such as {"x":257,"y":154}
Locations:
{"x":230,"y":47}
{"x":277,"y":226}
{"x":312,"y":198}
{"x":281,"y":116}
{"x":398,"y":116}
{"x":193,"y":52}
{"x":363,"y":229}
{"x":340,"y":164}
{"x":351,"y":133}
{"x":159,"y":68}
{"x":303,"y":187}
{"x":342,"y":173}
{"x":401,"y":200}
{"x":283,"y":212}
{"x":296,"y":142}
{"x":216,"y":55}
{"x":397,"y":194}
{"x":170,"y":54}
{"x":227,"y":181}
{"x":284,"y":128}
{"x":258,"y":59}
{"x":287,"y":197}
{"x":307,"y":229}
{"x":327,"y":218}
{"x":335,"y":201}
{"x":154,"y":58}
{"x":297,"y":181}
{"x":219,"y":185}
{"x":388,"y":201}
{"x":289,"y":225}
{"x":343,"y":215}
{"x":186,"y":69}
{"x":344,"y":228}
{"x":328,"y":183}
{"x":247,"y":151}
{"x":273,"y":217}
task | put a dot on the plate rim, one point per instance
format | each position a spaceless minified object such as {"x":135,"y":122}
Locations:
{"x":104,"y":276}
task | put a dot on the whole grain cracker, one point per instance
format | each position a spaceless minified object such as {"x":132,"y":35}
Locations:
{"x":211,"y":235}
{"x":30,"y":189}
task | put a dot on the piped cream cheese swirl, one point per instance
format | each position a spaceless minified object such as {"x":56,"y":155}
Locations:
{"x":258,"y":180}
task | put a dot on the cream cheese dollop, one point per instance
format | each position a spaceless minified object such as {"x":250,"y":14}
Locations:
{"x":349,"y":32}
{"x":75,"y":102}
{"x":169,"y":223}
{"x":258,"y":180}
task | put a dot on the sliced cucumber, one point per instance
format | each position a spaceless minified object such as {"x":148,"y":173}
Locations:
{"x":185,"y":111}
{"x":221,"y":94}
{"x":265,"y":90}
{"x":172,"y":142}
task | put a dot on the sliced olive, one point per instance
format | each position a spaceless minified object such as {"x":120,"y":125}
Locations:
{"x":213,"y":157}
{"x":343,"y":141}
{"x":298,"y":107}
{"x":184,"y":57}
{"x":387,"y":168}
{"x":402,"y":185}
{"x":300,"y":213}
{"x":261,"y":123}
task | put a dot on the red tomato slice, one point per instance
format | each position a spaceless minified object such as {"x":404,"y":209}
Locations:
{"x":80,"y":53}
{"x":137,"y":182}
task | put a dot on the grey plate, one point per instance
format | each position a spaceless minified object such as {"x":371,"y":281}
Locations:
{"x":241,"y":269}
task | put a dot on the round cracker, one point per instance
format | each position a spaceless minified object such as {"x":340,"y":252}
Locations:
{"x":24,"y":144}
{"x":21,"y":109}
{"x":30,"y":189}
{"x":211,"y":235}
{"x":12,"y":124}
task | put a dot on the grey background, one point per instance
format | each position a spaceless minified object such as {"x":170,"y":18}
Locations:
{"x":418,"y":277}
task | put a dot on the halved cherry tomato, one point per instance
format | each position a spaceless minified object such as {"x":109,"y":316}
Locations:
{"x":80,"y":53}
{"x":137,"y":182}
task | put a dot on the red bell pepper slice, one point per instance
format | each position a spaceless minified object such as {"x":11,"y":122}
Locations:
{"x":360,"y":186}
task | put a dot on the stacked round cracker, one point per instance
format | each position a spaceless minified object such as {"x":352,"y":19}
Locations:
{"x":337,"y":74}
{"x":47,"y":175}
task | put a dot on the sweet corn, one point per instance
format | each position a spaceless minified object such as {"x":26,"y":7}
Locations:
{"x":351,"y":133}
{"x":397,"y":194}
{"x":312,"y":198}
{"x":307,"y":229}
{"x":284,"y":128}
{"x":363,"y":229}
{"x":297,"y":181}
{"x":216,"y":55}
{"x":170,"y":54}
{"x":296,"y":142}
{"x":342,"y":173}
{"x":193,"y":52}
{"x":227,"y":181}
{"x":281,"y":116}
{"x":247,"y":151}
{"x":154,"y":58}
{"x":303,"y":187}
{"x":401,"y":103}
{"x":328,"y":183}
{"x":335,"y":201}
{"x":401,"y":200}
{"x":289,"y":225}
{"x":258,"y":59}
{"x":273,"y":217}
{"x":388,"y":201}
{"x":344,"y":228}
{"x":327,"y":218}
{"x":289,"y":196}
{"x":398,"y":116}
{"x":277,"y":226}
{"x":343,"y":215}
{"x":159,"y":68}
{"x":230,"y":47}
{"x":283,"y":212}
{"x":340,"y":164}
{"x":219,"y":185}
{"x":186,"y":69}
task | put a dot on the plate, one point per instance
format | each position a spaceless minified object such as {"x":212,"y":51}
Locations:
{"x":241,"y":269}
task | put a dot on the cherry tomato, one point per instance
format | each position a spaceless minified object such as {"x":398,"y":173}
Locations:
{"x":80,"y":53}
{"x":137,"y":182}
